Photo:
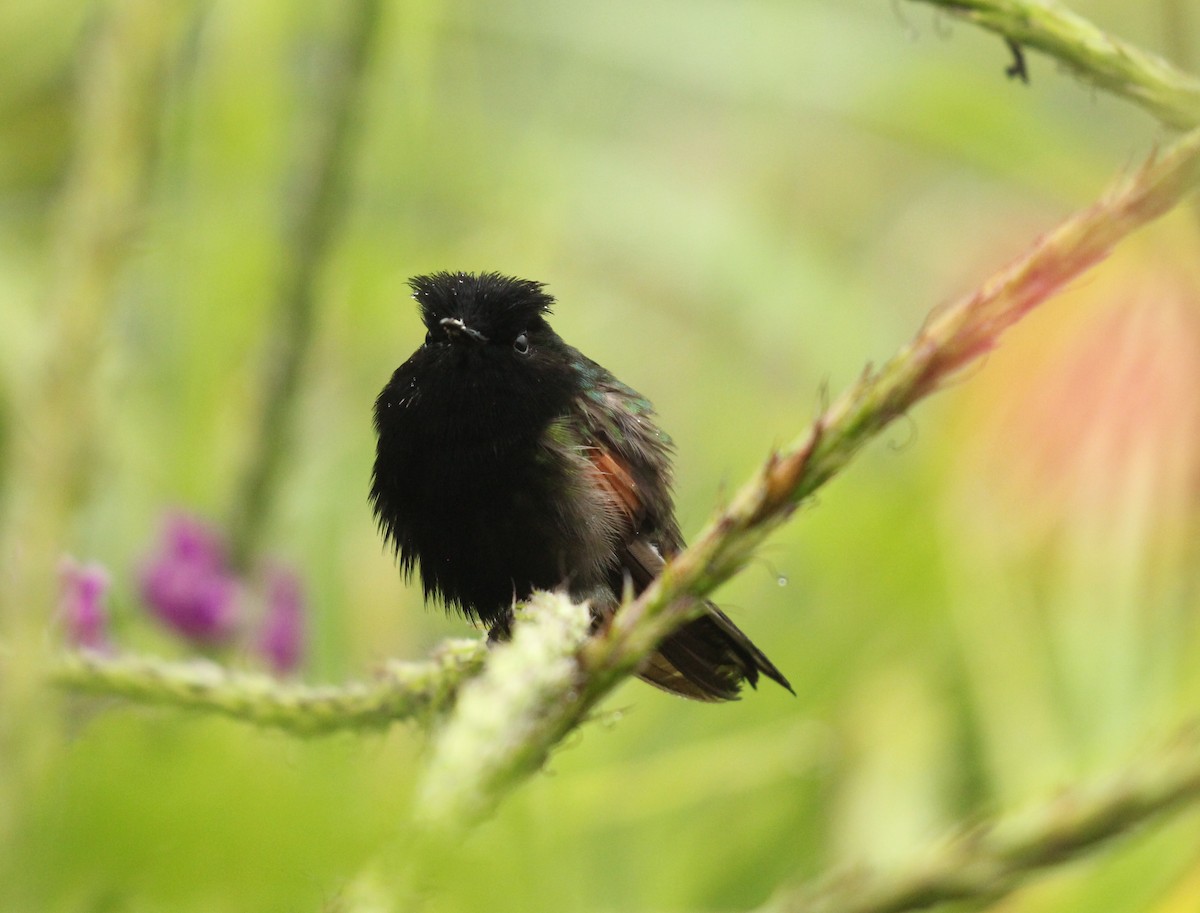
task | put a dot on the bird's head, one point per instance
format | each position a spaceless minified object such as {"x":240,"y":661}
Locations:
{"x":484,"y":312}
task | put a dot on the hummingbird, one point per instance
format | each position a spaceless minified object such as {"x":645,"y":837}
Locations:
{"x":507,"y":462}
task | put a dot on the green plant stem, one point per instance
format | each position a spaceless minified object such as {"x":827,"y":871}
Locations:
{"x":992,"y":859}
{"x":1170,"y":94}
{"x":401,"y":691}
{"x":315,"y":210}
{"x":58,"y":417}
{"x":100,"y":209}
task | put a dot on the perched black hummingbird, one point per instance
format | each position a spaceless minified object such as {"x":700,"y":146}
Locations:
{"x":508,"y":462}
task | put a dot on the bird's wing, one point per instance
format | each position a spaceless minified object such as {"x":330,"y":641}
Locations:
{"x":631,"y":457}
{"x":708,"y":658}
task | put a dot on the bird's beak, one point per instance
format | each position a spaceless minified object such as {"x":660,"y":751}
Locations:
{"x":457,"y":330}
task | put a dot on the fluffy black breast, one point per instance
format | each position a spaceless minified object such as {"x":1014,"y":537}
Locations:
{"x":463,"y":485}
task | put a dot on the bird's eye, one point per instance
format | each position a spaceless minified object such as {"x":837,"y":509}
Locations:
{"x":521,"y":345}
{"x":429,"y":338}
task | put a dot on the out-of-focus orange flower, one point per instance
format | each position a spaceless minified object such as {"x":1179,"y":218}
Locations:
{"x":1104,"y":406}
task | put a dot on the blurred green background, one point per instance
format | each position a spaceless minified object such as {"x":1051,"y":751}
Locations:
{"x":738,"y":206}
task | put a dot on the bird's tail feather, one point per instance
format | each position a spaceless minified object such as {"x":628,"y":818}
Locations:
{"x":708,"y":659}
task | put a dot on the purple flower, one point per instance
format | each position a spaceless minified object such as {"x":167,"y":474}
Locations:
{"x":81,"y":603}
{"x":188,"y":584}
{"x":282,"y":638}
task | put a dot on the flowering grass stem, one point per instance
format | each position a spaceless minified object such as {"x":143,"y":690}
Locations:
{"x":991,"y":859}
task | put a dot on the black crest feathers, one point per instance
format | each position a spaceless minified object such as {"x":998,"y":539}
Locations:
{"x":482,"y":300}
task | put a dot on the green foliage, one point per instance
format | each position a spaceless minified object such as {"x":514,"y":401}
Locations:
{"x":737,"y":206}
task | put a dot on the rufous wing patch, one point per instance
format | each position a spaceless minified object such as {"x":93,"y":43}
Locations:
{"x":616,"y":478}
